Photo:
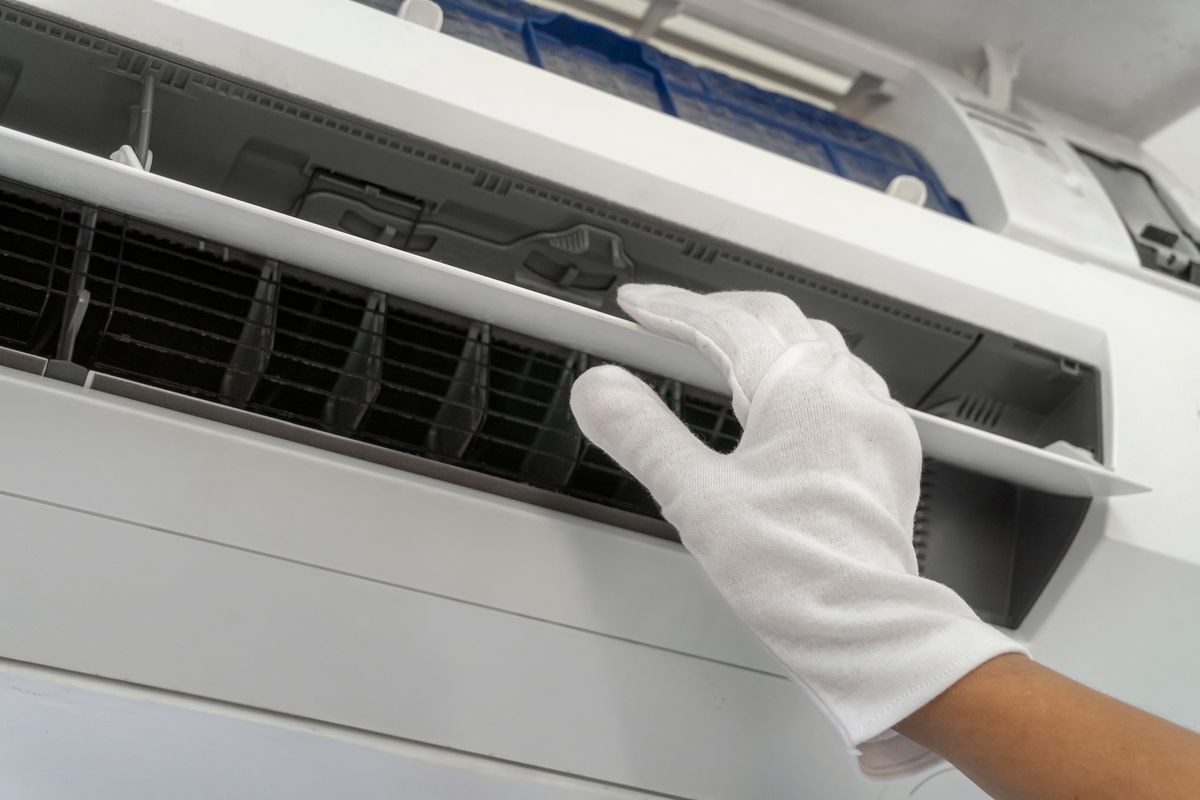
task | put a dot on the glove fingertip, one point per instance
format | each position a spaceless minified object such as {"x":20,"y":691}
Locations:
{"x":624,"y":417}
{"x":606,"y":400}
{"x":635,"y":292}
{"x":593,"y":401}
{"x":643,"y":297}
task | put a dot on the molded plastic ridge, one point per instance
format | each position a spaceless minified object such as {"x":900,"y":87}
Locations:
{"x":202,"y":213}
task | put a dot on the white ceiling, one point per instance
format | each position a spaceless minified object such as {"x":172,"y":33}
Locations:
{"x":1130,"y":66}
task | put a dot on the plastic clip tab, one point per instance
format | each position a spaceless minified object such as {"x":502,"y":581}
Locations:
{"x":908,"y":188}
{"x":425,"y":13}
{"x":658,"y":13}
{"x":139,"y":155}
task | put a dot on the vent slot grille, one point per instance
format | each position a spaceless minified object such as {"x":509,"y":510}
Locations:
{"x":35,"y":240}
{"x":195,"y":317}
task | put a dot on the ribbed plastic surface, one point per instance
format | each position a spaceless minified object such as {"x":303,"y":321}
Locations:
{"x":596,"y":56}
{"x":197,"y":318}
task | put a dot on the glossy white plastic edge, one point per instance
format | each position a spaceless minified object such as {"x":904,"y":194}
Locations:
{"x":108,"y":184}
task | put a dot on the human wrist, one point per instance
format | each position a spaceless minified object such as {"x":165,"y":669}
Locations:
{"x":944,"y":716}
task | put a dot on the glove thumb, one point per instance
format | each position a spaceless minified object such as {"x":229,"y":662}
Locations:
{"x":624,"y":417}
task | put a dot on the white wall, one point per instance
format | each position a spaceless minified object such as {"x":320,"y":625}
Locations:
{"x":1178,"y":146}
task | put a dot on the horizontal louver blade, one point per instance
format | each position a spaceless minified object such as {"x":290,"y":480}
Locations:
{"x":198,"y":318}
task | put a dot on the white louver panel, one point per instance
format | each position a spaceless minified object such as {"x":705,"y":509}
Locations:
{"x":204,"y":214}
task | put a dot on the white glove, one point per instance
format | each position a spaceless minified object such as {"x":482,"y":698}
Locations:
{"x":806,"y":528}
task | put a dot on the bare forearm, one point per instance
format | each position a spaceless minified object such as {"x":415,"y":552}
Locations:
{"x":1023,"y":732}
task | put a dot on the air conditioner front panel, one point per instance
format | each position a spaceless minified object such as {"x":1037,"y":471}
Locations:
{"x":436,"y":186}
{"x":178,"y":322}
{"x":151,"y":608}
{"x":229,"y":319}
{"x":210,"y":481}
{"x":308,"y":161}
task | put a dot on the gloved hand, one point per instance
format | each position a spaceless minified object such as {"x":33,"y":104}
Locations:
{"x":806,"y":528}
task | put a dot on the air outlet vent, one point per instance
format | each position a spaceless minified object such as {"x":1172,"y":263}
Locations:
{"x":200,"y":319}
{"x":32,"y":252}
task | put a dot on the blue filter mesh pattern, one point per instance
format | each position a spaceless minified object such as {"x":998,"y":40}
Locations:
{"x":603,"y":59}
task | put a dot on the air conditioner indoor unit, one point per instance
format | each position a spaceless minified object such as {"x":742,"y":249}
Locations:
{"x":292,"y":296}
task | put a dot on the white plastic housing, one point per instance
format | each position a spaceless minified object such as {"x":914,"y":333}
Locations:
{"x":356,"y":598}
